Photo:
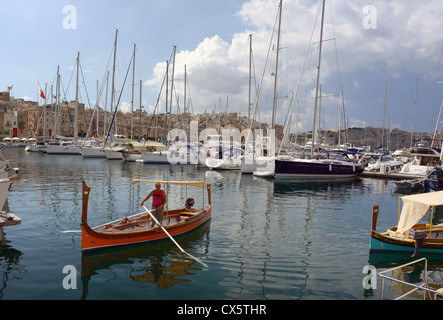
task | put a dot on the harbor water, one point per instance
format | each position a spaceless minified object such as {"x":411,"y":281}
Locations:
{"x":267,"y":240}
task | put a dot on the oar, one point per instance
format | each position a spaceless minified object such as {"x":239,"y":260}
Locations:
{"x":173,"y":240}
{"x":102,"y":225}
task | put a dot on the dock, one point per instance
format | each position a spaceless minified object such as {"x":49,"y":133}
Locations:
{"x":392,"y":176}
{"x":8,"y":219}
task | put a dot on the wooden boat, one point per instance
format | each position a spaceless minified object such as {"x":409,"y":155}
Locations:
{"x":137,"y":228}
{"x":410,"y":235}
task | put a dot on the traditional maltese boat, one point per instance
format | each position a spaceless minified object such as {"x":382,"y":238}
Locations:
{"x":137,"y":228}
{"x":410,"y":235}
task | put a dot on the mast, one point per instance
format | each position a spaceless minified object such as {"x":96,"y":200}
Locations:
{"x":184,"y":102}
{"x":318,"y":77}
{"x":113,"y":77}
{"x":167,"y":88}
{"x":413,"y":115}
{"x":76,"y":102}
{"x":276,"y":66}
{"x":384,"y":116}
{"x":44,"y":113}
{"x":172,"y":90}
{"x":141,"y":110}
{"x":341,"y":117}
{"x":250,"y":77}
{"x":132,"y":101}
{"x":106,"y":107}
{"x":57,"y":109}
{"x":98,"y":118}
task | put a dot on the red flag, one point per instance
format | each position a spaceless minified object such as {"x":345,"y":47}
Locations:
{"x":41,"y":92}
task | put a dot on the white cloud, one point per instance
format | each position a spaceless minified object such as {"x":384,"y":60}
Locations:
{"x":125,"y":106}
{"x":407,"y":40}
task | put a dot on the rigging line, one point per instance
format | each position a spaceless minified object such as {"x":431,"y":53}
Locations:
{"x":436,"y":81}
{"x":262,"y":78}
{"x":190,"y":98}
{"x":301,"y":73}
{"x":107,"y":66}
{"x":84,"y":84}
{"x":70,"y":79}
{"x":92,"y":120}
{"x":89,"y":102}
{"x":63,"y":89}
{"x":118,"y":102}
{"x":157,"y":105}
{"x":335,"y":45}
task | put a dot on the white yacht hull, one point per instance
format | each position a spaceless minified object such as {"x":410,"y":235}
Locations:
{"x":156,"y":157}
{"x":92,"y":152}
{"x":60,"y":149}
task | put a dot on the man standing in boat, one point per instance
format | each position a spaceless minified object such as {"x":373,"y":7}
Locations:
{"x":158,"y":203}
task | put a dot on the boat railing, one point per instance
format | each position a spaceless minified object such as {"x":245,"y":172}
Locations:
{"x":424,"y":286}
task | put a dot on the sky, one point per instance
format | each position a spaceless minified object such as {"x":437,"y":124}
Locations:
{"x":380,"y":64}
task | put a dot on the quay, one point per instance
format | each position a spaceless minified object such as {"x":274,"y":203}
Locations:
{"x":392,"y":176}
{"x":7,"y":219}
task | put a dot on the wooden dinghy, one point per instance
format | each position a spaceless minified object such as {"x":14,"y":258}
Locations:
{"x":410,"y":235}
{"x":137,"y":228}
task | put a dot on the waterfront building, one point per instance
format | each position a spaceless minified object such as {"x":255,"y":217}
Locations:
{"x":22,"y":118}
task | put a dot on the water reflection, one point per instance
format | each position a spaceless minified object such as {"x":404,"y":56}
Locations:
{"x":413,"y":274}
{"x":269,"y":239}
{"x":323,"y":188}
{"x":160,"y":263}
{"x":10,"y":263}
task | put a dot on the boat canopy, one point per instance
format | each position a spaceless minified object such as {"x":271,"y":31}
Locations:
{"x":200,"y":184}
{"x":415,"y":207}
{"x":157,"y":145}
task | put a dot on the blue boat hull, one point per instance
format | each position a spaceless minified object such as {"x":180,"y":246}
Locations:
{"x":316,"y":170}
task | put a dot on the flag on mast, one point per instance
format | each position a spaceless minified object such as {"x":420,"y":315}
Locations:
{"x":42,"y":95}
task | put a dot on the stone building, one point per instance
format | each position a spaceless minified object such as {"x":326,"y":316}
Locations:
{"x":20,"y":118}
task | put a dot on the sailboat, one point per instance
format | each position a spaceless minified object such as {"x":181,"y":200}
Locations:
{"x":259,"y":154}
{"x":92,"y":147}
{"x":67,"y":146}
{"x":162,"y":157}
{"x":332,"y":165}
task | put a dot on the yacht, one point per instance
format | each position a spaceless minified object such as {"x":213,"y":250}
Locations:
{"x":425,"y":160}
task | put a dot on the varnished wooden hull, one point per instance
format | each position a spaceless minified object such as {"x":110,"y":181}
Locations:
{"x":98,"y":240}
{"x":138,"y":230}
